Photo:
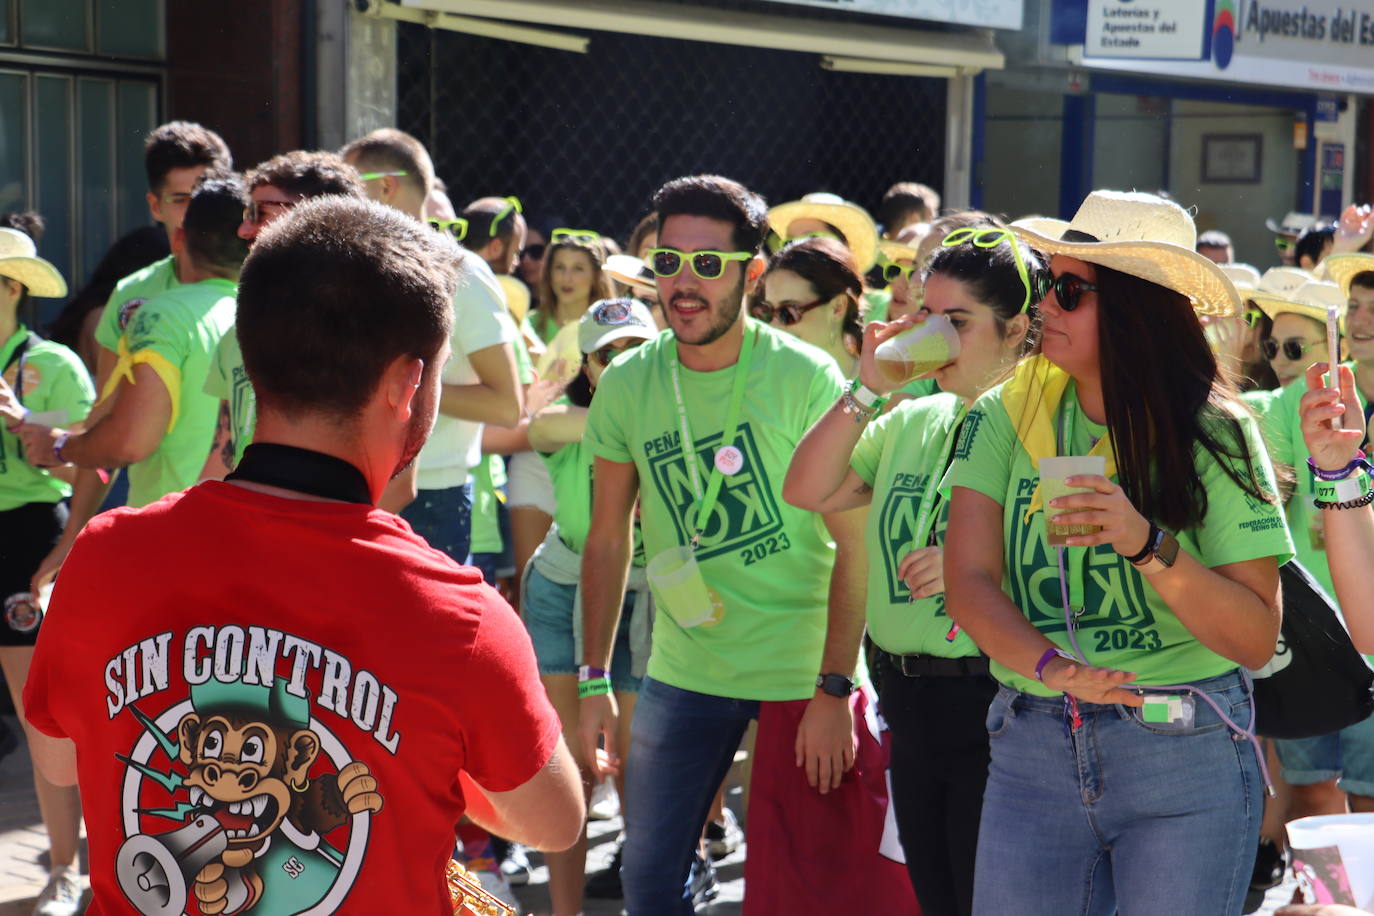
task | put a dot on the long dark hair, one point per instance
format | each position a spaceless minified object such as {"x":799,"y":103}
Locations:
{"x":1166,"y":402}
{"x":829,"y":267}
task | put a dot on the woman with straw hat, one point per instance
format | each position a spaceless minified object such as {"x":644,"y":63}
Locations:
{"x":1298,"y":338}
{"x":1122,"y":750}
{"x":827,"y":215}
{"x":932,"y":681}
{"x":48,"y":382}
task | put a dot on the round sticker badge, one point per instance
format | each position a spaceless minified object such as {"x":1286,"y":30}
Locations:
{"x":729,"y":460}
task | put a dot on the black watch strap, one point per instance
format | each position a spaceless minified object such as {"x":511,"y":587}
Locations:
{"x":1151,"y":544}
{"x":837,"y":685}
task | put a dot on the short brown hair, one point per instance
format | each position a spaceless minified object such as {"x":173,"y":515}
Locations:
{"x":390,"y":150}
{"x":333,"y":293}
{"x":183,"y":145}
{"x":483,"y":225}
{"x":307,"y":174}
{"x":904,"y":199}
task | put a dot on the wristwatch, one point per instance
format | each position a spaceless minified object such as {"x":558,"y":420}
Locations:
{"x":1161,"y":550}
{"x":837,"y":685}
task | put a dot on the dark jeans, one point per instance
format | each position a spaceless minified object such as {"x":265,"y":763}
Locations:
{"x":939,"y":770}
{"x":444,"y":519}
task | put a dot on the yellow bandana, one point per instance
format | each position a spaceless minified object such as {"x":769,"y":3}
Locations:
{"x":1032,"y":397}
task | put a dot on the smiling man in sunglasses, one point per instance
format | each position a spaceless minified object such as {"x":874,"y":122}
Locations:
{"x":699,"y":425}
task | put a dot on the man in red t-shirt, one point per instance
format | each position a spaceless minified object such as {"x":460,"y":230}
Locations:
{"x":283,"y":699}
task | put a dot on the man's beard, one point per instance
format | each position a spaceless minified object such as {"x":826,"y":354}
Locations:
{"x":417,"y":433}
{"x":730,"y":307}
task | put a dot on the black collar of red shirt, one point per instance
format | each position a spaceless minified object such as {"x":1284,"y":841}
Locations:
{"x":302,"y":471}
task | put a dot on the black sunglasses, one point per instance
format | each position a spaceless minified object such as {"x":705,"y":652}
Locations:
{"x":1067,"y":288}
{"x":606,"y":354}
{"x":533,"y":251}
{"x":789,"y":314}
{"x":1293,"y":348}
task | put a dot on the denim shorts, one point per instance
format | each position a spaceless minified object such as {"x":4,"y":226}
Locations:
{"x":444,"y":519}
{"x":1347,"y":754}
{"x":547,"y":608}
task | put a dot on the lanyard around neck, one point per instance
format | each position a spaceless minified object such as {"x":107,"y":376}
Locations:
{"x":1068,"y":416}
{"x":707,"y":502}
{"x":925,"y":515}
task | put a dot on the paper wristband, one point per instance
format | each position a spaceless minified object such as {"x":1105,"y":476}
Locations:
{"x":1342,"y":491}
{"x":593,"y":688}
{"x":866,"y":397}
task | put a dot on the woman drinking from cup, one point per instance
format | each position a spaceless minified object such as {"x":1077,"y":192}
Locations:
{"x":550,"y":591}
{"x":1122,"y":756}
{"x":812,"y":290}
{"x":934,"y":687}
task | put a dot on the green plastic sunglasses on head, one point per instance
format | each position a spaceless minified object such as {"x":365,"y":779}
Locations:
{"x":457,"y":227}
{"x":574,"y":237}
{"x":708,"y":265}
{"x":512,"y":205}
{"x":991,"y":238}
{"x":372,"y":176}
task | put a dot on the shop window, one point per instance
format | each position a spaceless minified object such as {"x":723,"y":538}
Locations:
{"x":14,"y":167}
{"x":6,"y":22}
{"x":54,"y":195}
{"x":95,"y":122}
{"x":63,"y":25}
{"x":129,"y":28}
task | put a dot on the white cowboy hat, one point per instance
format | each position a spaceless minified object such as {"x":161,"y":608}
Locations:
{"x":1343,"y":268}
{"x":631,"y":271}
{"x":859,"y":231}
{"x":1043,"y":225}
{"x":19,"y":260}
{"x":1293,"y":224}
{"x":1311,"y":300}
{"x":1245,"y":278}
{"x":1144,"y":236}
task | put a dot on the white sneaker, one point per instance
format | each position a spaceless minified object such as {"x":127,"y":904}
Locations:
{"x":724,"y":837}
{"x":495,"y":883}
{"x":605,"y":803}
{"x":62,"y":896}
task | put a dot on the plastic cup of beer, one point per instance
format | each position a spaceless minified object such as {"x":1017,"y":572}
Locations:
{"x":678,"y":586}
{"x":1053,"y":473}
{"x":917,"y":351}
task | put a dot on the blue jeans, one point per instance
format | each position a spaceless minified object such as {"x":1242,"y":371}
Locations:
{"x":681,"y":746}
{"x":1120,"y":816}
{"x":444,"y":519}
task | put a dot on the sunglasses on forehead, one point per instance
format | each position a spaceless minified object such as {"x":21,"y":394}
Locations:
{"x":708,"y":265}
{"x":1293,"y":348}
{"x":584,"y":237}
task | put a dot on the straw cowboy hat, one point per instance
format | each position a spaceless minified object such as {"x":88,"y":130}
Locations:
{"x":630,"y":271}
{"x":1344,"y":268}
{"x":896,"y":251}
{"x":859,"y":231}
{"x":1245,"y":278}
{"x":19,"y":260}
{"x":1311,"y":300}
{"x":1042,"y":225}
{"x":1144,"y":236}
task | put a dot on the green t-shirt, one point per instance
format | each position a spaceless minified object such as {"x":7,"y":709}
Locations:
{"x":55,"y":383}
{"x":1126,"y":624}
{"x":877,"y":301}
{"x":920,"y":388}
{"x":539,"y":325}
{"x":130,"y":293}
{"x":228,"y":381}
{"x":901,"y":455}
{"x":571,"y":469}
{"x":767,"y":563}
{"x":179,"y":330}
{"x":1282,"y":424}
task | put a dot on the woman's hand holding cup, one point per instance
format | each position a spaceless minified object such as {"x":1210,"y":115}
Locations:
{"x":875,"y":332}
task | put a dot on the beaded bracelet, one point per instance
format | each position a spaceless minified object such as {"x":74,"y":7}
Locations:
{"x":856,"y":410}
{"x":1356,"y":464}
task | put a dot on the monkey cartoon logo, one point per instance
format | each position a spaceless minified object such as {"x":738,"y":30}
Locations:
{"x":276,"y":817}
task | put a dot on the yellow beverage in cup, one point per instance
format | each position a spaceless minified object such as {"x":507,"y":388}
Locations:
{"x":918,"y":350}
{"x":679,"y":588}
{"x":1053,"y":473}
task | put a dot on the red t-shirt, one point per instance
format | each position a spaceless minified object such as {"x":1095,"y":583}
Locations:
{"x":286,"y":689}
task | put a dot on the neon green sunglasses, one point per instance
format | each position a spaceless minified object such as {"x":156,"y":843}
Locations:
{"x":574,"y":237}
{"x":708,"y":265}
{"x":456,"y":227}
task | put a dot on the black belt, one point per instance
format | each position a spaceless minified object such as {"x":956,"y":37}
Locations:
{"x":934,"y":666}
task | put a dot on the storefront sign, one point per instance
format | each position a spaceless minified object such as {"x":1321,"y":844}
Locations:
{"x":998,"y":14}
{"x":1163,"y":29}
{"x":1297,"y":44}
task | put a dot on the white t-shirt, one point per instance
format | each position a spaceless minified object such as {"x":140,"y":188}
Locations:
{"x":480,"y":320}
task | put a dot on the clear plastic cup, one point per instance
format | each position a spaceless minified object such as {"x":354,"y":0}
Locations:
{"x":1053,"y":473}
{"x":918,"y":350}
{"x":679,"y":588}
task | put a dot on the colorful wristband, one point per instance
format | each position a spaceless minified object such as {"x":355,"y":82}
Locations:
{"x":595,"y":687}
{"x":588,"y":673}
{"x":1356,"y":464}
{"x":1045,"y":660}
{"x":865,"y":397}
{"x":1342,"y":491}
{"x":58,"y":445}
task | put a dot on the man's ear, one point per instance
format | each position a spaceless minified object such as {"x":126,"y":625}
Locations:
{"x":402,"y":381}
{"x":492,"y":251}
{"x":753,"y":270}
{"x":154,"y":206}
